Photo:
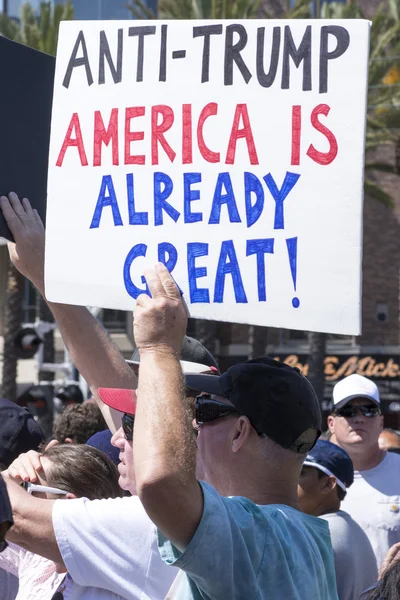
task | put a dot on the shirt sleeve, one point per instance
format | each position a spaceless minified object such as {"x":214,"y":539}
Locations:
{"x":225,"y":553}
{"x":104,"y":543}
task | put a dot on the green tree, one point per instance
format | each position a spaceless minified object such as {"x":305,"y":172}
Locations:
{"x":39,"y":31}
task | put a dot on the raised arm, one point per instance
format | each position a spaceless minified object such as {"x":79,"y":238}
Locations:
{"x":91,"y":349}
{"x":164,"y":444}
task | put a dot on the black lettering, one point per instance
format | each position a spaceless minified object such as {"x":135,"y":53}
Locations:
{"x":162,"y":76}
{"x":232,"y":54}
{"x":206,"y":31}
{"x":343,"y":41}
{"x":116,"y":71}
{"x":78,"y":62}
{"x":141,"y":32}
{"x":267,"y":79}
{"x":302,"y":53}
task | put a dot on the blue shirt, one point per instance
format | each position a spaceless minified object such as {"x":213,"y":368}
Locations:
{"x":243,"y":551}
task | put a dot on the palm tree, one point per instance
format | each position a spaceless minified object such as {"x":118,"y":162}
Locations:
{"x":39,"y":31}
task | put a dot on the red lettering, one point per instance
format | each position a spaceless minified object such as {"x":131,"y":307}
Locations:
{"x":245,"y":132}
{"x":187,"y":144}
{"x":296,"y":134}
{"x":158,"y":130}
{"x":322,"y":158}
{"x":208,"y":155}
{"x":133,"y":136}
{"x":77,"y":142}
{"x":103,"y":135}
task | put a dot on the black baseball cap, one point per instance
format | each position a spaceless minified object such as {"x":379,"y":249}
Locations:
{"x":194,"y":357}
{"x":70,"y":393}
{"x":19,"y":432}
{"x":332,"y":460}
{"x":277,"y":398}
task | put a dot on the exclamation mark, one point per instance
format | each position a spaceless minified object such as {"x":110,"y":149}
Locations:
{"x":291,"y":244}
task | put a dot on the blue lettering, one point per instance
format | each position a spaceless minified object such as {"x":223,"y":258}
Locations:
{"x":228,"y":264}
{"x":160,"y":198}
{"x":109,"y":200}
{"x":224,"y":180}
{"x":253,"y":185}
{"x":135,"y":218}
{"x":194,"y":250}
{"x":280,"y":195}
{"x":131,"y":288}
{"x":260,"y":247}
{"x":189,"y":196}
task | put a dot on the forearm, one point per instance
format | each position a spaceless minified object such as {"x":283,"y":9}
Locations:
{"x":165,"y":448}
{"x":33,"y":524}
{"x":91,"y":349}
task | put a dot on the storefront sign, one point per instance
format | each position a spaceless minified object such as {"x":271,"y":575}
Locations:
{"x":337,"y":367}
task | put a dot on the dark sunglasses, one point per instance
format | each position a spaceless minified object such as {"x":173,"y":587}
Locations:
{"x":127,"y":426}
{"x":208,"y":410}
{"x":350,"y":411}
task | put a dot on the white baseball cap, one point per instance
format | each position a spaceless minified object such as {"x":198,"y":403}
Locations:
{"x":354,"y":386}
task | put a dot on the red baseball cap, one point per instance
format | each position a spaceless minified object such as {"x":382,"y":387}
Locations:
{"x":122,"y":400}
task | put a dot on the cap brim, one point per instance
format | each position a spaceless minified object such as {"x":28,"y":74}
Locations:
{"x":123,"y":401}
{"x":353,"y":397}
{"x":187,"y":367}
{"x":204,"y":383}
{"x":328,"y":472}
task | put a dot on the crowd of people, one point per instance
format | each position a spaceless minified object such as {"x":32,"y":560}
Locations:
{"x":177,"y":482}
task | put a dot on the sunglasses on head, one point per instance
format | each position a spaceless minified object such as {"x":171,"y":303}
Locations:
{"x":208,"y":409}
{"x":350,"y":411}
{"x":127,"y":425}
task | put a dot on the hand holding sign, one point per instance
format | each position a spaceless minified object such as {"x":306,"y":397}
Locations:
{"x":25,"y":224}
{"x":160,"y":322}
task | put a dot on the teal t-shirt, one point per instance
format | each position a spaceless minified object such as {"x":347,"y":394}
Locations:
{"x":243,"y":551}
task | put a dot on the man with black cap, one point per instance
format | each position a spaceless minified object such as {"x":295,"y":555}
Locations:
{"x":374,"y":499}
{"x":325,"y":478}
{"x":255,"y":425}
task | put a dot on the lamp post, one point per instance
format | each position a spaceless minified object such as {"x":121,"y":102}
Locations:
{"x":5,"y":7}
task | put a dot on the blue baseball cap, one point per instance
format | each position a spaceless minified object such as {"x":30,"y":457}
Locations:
{"x":332,"y":460}
{"x":102,"y":441}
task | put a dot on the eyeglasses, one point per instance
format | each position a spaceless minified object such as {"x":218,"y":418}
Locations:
{"x":348,"y":412}
{"x":208,"y":410}
{"x":43,"y":489}
{"x":127,"y":426}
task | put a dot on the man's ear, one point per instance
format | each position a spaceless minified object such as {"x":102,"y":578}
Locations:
{"x":70,"y":496}
{"x":329,"y":485}
{"x":331,"y":423}
{"x":68,"y":440}
{"x":242,"y":432}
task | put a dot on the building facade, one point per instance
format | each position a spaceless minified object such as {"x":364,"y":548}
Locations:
{"x":85,"y":9}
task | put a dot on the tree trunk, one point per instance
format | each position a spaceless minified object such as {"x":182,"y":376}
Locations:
{"x":316,"y":364}
{"x":206,"y":333}
{"x":257,"y":341}
{"x":12,"y":326}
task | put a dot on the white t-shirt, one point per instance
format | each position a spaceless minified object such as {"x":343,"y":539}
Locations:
{"x":355,"y":564}
{"x":109,"y":548}
{"x":374,"y":503}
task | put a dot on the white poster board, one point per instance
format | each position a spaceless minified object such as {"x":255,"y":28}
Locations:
{"x":231,"y":151}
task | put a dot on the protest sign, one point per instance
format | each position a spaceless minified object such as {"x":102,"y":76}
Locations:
{"x":231,"y":151}
{"x":27,"y":78}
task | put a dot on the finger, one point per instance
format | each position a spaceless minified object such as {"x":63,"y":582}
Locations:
{"x":169,"y":286}
{"x":34,"y":459}
{"x":16,"y":204}
{"x":10,"y":216}
{"x":51,"y":444}
{"x":38,"y":219}
{"x":18,"y":473}
{"x":27,"y":208}
{"x":143,"y":300}
{"x":154,"y":283}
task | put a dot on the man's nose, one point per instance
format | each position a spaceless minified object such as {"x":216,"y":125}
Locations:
{"x":117,"y":438}
{"x":359,"y":416}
